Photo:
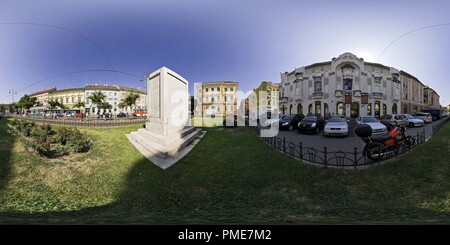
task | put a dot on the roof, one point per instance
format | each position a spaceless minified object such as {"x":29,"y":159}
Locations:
{"x":129,"y":89}
{"x":102,"y":87}
{"x":68,"y":90}
{"x":42,"y":91}
{"x":219,"y":82}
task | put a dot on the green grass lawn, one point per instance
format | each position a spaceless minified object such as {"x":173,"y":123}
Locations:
{"x":231,"y":176}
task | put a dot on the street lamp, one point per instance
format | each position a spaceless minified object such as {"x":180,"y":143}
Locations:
{"x":12,"y":92}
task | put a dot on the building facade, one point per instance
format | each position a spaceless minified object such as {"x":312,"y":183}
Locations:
{"x":216,"y":98}
{"x":42,"y":96}
{"x":431,"y":98}
{"x":346,"y":86}
{"x":412,"y":91}
{"x":113,"y":95}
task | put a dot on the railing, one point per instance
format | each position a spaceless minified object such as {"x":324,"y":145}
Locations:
{"x":354,"y":159}
{"x":438,"y":125}
{"x":86,"y":122}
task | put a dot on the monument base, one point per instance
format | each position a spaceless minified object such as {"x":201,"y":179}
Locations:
{"x":165,"y":150}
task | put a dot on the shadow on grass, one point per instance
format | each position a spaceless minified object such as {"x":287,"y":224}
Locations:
{"x":6,"y":145}
{"x":221,"y":181}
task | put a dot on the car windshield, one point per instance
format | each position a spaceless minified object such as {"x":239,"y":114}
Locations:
{"x":288,"y":117}
{"x":310,"y":119}
{"x":409,"y":116}
{"x":368,"y":119}
{"x":337,"y":119}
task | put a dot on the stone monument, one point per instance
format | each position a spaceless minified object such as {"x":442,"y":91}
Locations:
{"x":167,"y":136}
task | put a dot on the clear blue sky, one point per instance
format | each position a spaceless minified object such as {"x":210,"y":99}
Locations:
{"x":247,"y":41}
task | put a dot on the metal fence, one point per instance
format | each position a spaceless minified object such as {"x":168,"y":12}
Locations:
{"x":354,"y":159}
{"x":86,"y":122}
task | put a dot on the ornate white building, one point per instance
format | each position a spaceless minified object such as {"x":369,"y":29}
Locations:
{"x":346,"y":85}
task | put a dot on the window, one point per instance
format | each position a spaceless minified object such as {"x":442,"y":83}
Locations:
{"x":348,"y":84}
{"x":212,"y":99}
{"x":231,"y":89}
{"x":212,"y":89}
{"x":317,"y":86}
{"x":394,"y":108}
{"x":206,"y":90}
{"x":67,"y":100}
{"x":225,"y":98}
{"x":109,"y":93}
{"x":79,"y":99}
{"x":115,"y":94}
{"x":218,"y":89}
{"x":369,"y":109}
{"x":231,"y":108}
{"x":226,"y":89}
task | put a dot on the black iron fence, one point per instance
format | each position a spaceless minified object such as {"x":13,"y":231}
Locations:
{"x":353,"y":159}
{"x":438,"y":124}
{"x":86,"y":122}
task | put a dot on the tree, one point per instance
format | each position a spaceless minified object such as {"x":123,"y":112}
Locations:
{"x":97,"y":97}
{"x":2,"y":109}
{"x":104,"y":105}
{"x":79,"y":104}
{"x":26,"y":102}
{"x":129,"y":100}
{"x":53,"y":104}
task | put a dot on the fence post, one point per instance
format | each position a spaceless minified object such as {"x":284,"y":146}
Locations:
{"x":301,"y":151}
{"x":355,"y":152}
{"x":325,"y":156}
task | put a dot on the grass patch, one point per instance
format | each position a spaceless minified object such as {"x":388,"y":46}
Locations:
{"x":230,"y":177}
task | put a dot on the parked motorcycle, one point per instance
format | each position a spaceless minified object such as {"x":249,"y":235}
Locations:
{"x":379,"y":147}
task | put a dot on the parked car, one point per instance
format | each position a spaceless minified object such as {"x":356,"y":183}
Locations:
{"x":413,"y":122}
{"x":271,"y":121}
{"x":377,"y":127}
{"x":311,"y":124}
{"x":139,"y":114}
{"x":336,"y":126}
{"x":80,"y":115}
{"x":121,"y":114}
{"x":393,"y":120}
{"x":69,"y":114}
{"x":435,"y":113}
{"x":425,"y":116}
{"x":290,"y":121}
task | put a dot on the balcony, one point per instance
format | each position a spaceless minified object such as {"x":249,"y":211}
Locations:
{"x":357,"y":93}
{"x":283,"y":100}
{"x":339,"y":93}
{"x":377,"y":95}
{"x":317,"y":95}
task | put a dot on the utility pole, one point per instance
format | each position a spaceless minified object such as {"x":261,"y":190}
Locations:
{"x":12,"y":92}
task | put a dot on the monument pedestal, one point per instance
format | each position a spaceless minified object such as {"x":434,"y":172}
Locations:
{"x":166,"y":138}
{"x":164,"y":151}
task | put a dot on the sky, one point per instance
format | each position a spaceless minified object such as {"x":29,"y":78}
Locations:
{"x":64,"y":44}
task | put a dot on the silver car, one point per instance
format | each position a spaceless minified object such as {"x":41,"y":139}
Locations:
{"x":336,"y":126}
{"x":378,"y":128}
{"x":413,"y":122}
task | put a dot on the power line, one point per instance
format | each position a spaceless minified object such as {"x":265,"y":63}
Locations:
{"x":73,"y":72}
{"x":418,"y":29}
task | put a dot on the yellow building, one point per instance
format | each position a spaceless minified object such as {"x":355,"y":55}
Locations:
{"x":68,"y":97}
{"x":216,"y":98}
{"x":42,"y":96}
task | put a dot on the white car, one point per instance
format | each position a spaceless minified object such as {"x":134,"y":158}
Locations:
{"x":336,"y":126}
{"x":378,"y":128}
{"x":413,"y":122}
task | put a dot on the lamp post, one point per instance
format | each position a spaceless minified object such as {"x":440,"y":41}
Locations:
{"x":12,"y":92}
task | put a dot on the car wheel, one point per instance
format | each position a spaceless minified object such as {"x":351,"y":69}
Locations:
{"x":291,"y":127}
{"x":411,"y":125}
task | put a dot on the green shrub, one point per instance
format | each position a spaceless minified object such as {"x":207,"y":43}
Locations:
{"x":41,"y":133}
{"x":61,"y":136}
{"x":78,"y":142}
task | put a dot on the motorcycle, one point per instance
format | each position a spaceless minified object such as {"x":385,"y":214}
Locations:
{"x":379,"y":147}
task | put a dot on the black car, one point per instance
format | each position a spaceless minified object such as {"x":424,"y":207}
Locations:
{"x":311,"y":124}
{"x":121,"y":114}
{"x":290,"y":121}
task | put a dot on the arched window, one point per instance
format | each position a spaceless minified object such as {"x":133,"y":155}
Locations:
{"x":384,"y":109}
{"x":310,"y":109}
{"x":299,"y":109}
{"x":369,"y":109}
{"x":340,"y":109}
{"x":290,"y":109}
{"x":394,"y":108}
{"x":354,"y":110}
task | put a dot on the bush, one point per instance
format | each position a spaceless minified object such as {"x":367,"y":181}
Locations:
{"x":42,"y":133}
{"x":62,"y":135}
{"x":78,"y":142}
